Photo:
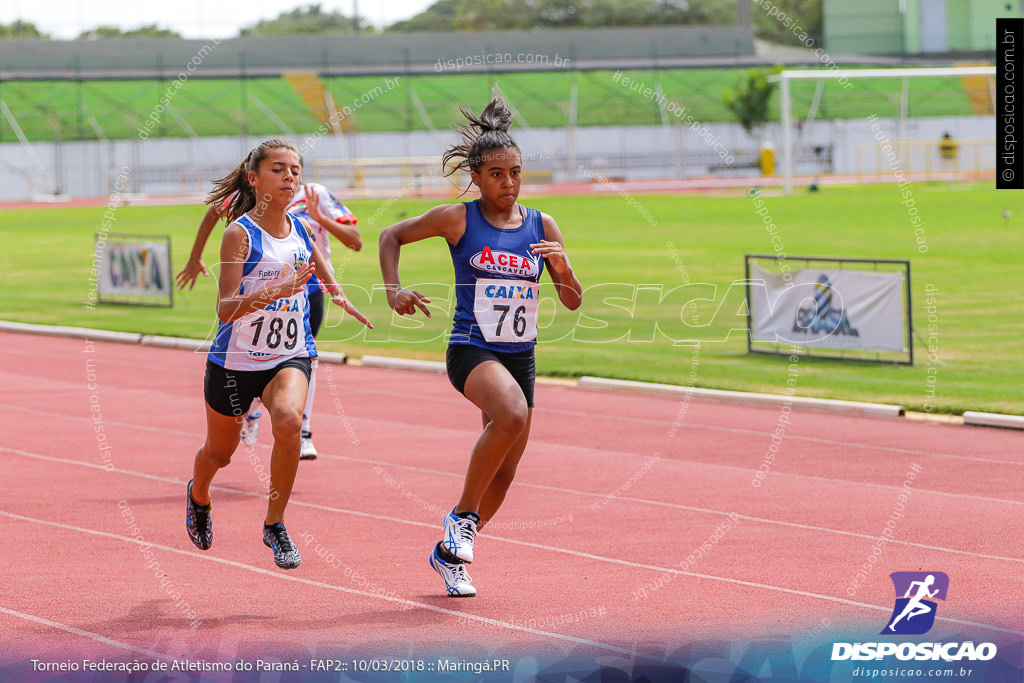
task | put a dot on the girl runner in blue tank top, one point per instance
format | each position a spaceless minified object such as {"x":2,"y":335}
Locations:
{"x":499,"y":250}
{"x":264,"y":344}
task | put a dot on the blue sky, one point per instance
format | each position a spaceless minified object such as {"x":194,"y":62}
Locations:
{"x":191,"y":18}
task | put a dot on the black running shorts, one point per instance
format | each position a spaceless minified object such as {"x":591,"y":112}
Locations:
{"x":462,"y":358}
{"x":230,"y":392}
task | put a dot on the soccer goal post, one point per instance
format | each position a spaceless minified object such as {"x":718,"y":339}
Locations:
{"x":785,"y":79}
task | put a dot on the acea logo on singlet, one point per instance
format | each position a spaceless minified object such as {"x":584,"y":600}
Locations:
{"x":505,"y":263}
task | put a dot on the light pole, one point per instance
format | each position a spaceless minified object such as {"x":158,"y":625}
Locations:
{"x":903,"y":28}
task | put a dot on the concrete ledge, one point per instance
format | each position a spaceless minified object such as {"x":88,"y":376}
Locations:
{"x":80,"y":332}
{"x":196,"y":345}
{"x":675,"y":391}
{"x":993,"y":420}
{"x":159,"y":341}
{"x":591,"y":383}
{"x":433,"y":366}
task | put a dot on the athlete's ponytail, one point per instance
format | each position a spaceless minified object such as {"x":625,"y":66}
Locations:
{"x":236,"y":184}
{"x":485,"y":132}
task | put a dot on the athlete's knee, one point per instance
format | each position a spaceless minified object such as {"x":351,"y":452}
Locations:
{"x":286,"y":422}
{"x":218,"y":457}
{"x":512,"y":418}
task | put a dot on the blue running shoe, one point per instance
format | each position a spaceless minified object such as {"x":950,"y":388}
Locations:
{"x":459,"y":533}
{"x":456,"y":578}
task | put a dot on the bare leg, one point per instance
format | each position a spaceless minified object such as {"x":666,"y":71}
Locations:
{"x":492,"y":389}
{"x":495,"y":493}
{"x":284,"y":398}
{"x":222,"y":433}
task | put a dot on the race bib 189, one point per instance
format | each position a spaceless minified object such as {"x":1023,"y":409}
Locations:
{"x":506,"y":310}
{"x":271,"y":332}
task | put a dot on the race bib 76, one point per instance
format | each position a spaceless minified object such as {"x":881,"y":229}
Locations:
{"x":506,"y":310}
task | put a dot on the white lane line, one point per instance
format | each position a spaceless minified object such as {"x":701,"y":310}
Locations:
{"x":678,"y":506}
{"x":327,"y":586}
{"x":668,"y":421}
{"x":812,"y":439}
{"x":200,"y":436}
{"x":555,"y":549}
{"x":706,"y":427}
{"x":85,"y":634}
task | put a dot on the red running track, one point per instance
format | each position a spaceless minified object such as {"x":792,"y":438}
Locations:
{"x":616,"y":537}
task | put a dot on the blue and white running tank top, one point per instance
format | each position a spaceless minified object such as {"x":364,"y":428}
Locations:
{"x":263,"y":339}
{"x":497,"y":283}
{"x":329,"y":205}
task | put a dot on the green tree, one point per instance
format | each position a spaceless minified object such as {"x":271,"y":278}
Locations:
{"x":494,"y":15}
{"x":749,"y":100}
{"x":21,"y":29}
{"x":716,"y":11}
{"x":440,"y":16}
{"x":503,"y":15}
{"x":801,"y":25}
{"x":308,"y":20}
{"x":148,"y":31}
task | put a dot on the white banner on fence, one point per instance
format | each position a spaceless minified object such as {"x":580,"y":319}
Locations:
{"x":135,"y":267}
{"x":836,"y":309}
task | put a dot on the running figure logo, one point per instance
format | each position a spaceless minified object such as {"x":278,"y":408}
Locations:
{"x":914,"y":612}
{"x":824,"y":312}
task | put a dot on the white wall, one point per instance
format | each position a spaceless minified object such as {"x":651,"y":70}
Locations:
{"x":183,"y":166}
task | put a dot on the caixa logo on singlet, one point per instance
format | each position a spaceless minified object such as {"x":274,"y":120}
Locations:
{"x":505,"y":263}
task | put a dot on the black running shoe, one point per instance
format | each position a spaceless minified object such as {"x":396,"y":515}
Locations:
{"x":197,"y":521}
{"x":286,"y":555}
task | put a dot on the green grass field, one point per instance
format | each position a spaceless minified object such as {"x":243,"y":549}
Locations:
{"x":973,"y":259}
{"x":74,"y":110}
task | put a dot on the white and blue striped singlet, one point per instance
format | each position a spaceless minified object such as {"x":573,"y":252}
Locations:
{"x":263,"y":339}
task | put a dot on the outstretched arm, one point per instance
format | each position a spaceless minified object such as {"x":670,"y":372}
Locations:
{"x":569,"y":288}
{"x":195,"y":265}
{"x":331,"y":285}
{"x":448,"y":221}
{"x":347,"y":234}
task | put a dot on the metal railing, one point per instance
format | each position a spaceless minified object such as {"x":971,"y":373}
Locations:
{"x":932,"y":159}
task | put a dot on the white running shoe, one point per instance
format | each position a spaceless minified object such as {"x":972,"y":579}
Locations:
{"x":250,"y":429}
{"x":308,"y":450}
{"x":459,"y":533}
{"x":456,"y":578}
